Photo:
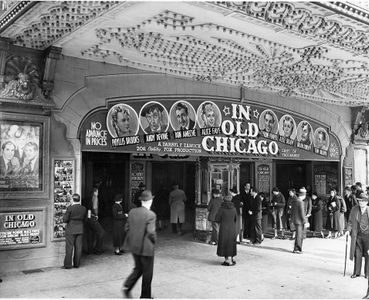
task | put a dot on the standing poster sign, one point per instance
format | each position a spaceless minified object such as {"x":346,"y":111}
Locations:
{"x":63,"y":191}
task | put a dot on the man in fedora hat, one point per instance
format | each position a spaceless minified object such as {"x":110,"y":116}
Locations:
{"x":237,"y":201}
{"x":140,"y":240}
{"x":298,"y":218}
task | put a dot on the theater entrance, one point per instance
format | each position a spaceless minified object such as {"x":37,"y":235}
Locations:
{"x":291,"y":174}
{"x":164,"y":175}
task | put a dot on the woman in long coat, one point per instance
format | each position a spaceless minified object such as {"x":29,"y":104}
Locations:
{"x":227,"y":243}
{"x":333,"y":208}
{"x":317,"y":210}
{"x":119,"y":220}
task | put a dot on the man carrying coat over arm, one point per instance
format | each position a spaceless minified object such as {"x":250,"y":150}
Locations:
{"x":140,"y":240}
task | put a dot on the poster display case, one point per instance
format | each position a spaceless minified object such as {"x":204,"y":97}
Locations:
{"x":64,"y":182}
{"x":24,"y":145}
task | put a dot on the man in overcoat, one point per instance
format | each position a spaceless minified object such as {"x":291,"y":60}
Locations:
{"x":358,"y":228}
{"x":140,"y":240}
{"x":177,"y":199}
{"x":74,"y":217}
{"x":213,"y":208}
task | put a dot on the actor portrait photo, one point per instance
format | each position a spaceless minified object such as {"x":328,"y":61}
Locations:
{"x":208,"y":115}
{"x":182,"y":116}
{"x":154,"y":118}
{"x":9,"y":163}
{"x":268,"y":121}
{"x":321,"y":139}
{"x":122,"y":120}
{"x":287,"y":127}
{"x":304,"y":133}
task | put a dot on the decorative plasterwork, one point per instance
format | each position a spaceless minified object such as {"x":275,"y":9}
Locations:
{"x":256,"y":63}
{"x":60,"y":19}
{"x":240,"y":43}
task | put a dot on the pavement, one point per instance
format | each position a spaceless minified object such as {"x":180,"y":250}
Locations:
{"x":186,"y":268}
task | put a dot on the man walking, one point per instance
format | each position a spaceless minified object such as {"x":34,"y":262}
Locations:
{"x":74,"y":217}
{"x":140,"y":240}
{"x":177,"y":199}
{"x":278,"y":203}
{"x":298,"y":218}
{"x":358,"y":228}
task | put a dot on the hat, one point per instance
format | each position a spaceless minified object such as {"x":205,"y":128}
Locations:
{"x":228,"y":197}
{"x":215,"y":192}
{"x":302,"y":191}
{"x":141,"y":185}
{"x":362,"y":197}
{"x":234,"y":190}
{"x":146,"y":195}
{"x":118,"y":197}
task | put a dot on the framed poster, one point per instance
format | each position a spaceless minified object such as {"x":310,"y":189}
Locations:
{"x":64,"y":182}
{"x":347,"y":173}
{"x":23,"y":155}
{"x":22,"y":228}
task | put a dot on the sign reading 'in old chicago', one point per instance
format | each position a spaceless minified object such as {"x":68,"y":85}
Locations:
{"x":204,"y":128}
{"x":21,"y":228}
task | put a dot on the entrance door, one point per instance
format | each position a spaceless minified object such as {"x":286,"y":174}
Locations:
{"x":164,"y":174}
{"x":290,"y":175}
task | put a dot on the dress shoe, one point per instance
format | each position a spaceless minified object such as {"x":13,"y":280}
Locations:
{"x":126,"y":293}
{"x":76,"y":267}
{"x":118,"y":253}
{"x":225,"y":263}
{"x":67,"y":268}
{"x":354,"y":275}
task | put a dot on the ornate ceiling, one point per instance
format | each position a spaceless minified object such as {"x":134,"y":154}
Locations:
{"x":312,"y":50}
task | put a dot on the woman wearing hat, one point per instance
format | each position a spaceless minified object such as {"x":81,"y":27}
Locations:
{"x":119,"y":220}
{"x":227,"y":217}
{"x":333,"y":208}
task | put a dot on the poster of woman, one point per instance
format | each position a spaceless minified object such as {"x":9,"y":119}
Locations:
{"x":20,"y":162}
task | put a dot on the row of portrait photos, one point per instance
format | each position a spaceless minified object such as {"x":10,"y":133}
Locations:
{"x":122,"y":120}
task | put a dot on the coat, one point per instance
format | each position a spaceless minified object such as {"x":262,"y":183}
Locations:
{"x":160,"y":204}
{"x":226,"y":217}
{"x":74,"y":217}
{"x":177,"y":199}
{"x":341,"y":215}
{"x":317,"y":210}
{"x":140,"y":232}
{"x":213,"y":208}
{"x":298,"y":216}
{"x":237,"y":202}
{"x":352,"y":227}
{"x":333,"y":208}
{"x":119,"y":219}
{"x":255,"y":207}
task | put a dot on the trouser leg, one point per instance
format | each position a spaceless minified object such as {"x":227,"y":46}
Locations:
{"x":77,"y":250}
{"x":298,"y":238}
{"x":214,"y":232}
{"x":174,"y":227}
{"x":358,"y":255}
{"x":147,"y":272}
{"x":136,"y":273}
{"x":258,"y":231}
{"x":69,"y":242}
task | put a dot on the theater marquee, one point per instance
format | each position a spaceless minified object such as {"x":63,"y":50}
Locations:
{"x":207,"y":128}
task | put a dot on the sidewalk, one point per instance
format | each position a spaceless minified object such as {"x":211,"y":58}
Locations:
{"x":185,"y":268}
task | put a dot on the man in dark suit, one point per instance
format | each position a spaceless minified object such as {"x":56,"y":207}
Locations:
{"x":358,"y":228}
{"x":74,"y":217}
{"x":9,"y":164}
{"x":298,"y":217}
{"x":256,"y":216}
{"x":237,"y":201}
{"x":246,"y":199}
{"x":140,"y":240}
{"x":183,"y":119}
{"x":30,"y":164}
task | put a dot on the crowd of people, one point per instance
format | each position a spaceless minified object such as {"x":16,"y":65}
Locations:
{"x":234,"y":217}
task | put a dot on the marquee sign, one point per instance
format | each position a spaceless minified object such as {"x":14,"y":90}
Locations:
{"x":207,"y":128}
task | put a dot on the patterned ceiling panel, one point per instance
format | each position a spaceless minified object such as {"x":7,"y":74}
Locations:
{"x":312,"y":50}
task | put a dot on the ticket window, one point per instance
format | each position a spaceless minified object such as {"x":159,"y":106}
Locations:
{"x":224,"y":176}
